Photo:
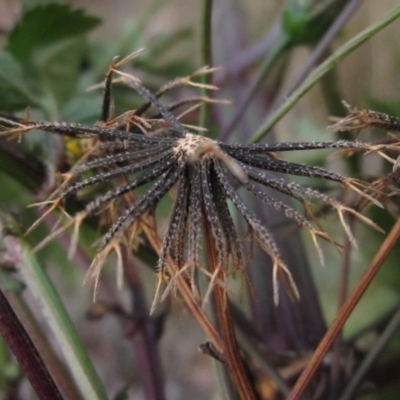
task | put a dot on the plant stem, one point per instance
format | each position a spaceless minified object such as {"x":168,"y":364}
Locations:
{"x":231,"y":350}
{"x":263,"y":72}
{"x":266,"y":367}
{"x":323,"y":69}
{"x":54,"y":364}
{"x":206,"y":57}
{"x":185,"y":290}
{"x":145,"y":337}
{"x":342,"y":295}
{"x":345,"y":312}
{"x":240,"y":63}
{"x":26,"y":354}
{"x":323,"y":45}
{"x":56,"y":316}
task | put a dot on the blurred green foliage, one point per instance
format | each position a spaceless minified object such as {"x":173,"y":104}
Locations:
{"x":49,"y":63}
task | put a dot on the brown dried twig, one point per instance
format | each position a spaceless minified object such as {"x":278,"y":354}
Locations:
{"x":345,"y":311}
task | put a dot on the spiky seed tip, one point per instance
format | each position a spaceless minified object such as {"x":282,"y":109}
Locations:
{"x":93,"y":274}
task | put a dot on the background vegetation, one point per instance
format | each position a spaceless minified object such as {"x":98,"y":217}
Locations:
{"x":52,"y":52}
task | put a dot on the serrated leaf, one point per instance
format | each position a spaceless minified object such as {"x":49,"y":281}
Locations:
{"x":46,"y":25}
{"x":15,"y":94}
{"x":49,"y":44}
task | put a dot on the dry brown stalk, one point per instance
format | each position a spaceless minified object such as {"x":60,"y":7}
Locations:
{"x":231,"y":350}
{"x":345,"y":312}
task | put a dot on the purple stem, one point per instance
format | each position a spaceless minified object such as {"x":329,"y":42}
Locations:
{"x":145,"y":338}
{"x":326,"y":40}
{"x":25,"y":352}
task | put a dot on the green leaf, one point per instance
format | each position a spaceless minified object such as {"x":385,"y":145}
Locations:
{"x":305,"y":21}
{"x":49,"y":44}
{"x":60,"y":324}
{"x":57,"y":66}
{"x":46,"y":25}
{"x":83,"y":109}
{"x":15,"y":94}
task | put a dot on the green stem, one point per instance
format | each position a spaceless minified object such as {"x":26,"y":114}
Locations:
{"x":64,"y":332}
{"x":323,"y":69}
{"x":206,"y":56}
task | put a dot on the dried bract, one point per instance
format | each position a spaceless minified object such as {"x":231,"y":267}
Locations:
{"x":134,"y":149}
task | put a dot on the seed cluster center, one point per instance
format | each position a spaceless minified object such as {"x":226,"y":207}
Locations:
{"x":194,"y":146}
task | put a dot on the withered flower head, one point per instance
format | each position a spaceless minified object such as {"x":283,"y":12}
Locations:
{"x":133,"y":150}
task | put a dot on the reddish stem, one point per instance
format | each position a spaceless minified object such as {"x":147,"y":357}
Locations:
{"x":345,"y":312}
{"x":26,"y":354}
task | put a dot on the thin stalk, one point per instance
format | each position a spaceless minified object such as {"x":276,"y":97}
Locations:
{"x":231,"y":350}
{"x":267,"y":368}
{"x":184,"y":290}
{"x":223,"y":382}
{"x":345,"y":312}
{"x":206,"y":57}
{"x":250,"y":56}
{"x":54,"y":365}
{"x":264,"y":70}
{"x":342,"y":295}
{"x":56,"y":316}
{"x":145,"y":336}
{"x":226,"y":388}
{"x":4,"y":352}
{"x":323,"y":69}
{"x":251,"y":341}
{"x":26,"y":354}
{"x":373,"y":354}
{"x":323,"y":45}
{"x":333,"y":100}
